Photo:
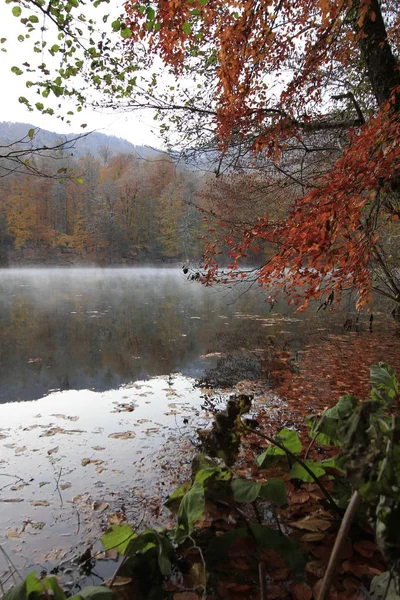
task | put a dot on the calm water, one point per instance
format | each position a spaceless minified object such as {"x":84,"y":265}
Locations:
{"x":98,"y":403}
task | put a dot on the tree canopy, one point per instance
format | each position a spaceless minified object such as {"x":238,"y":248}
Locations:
{"x":306,"y":93}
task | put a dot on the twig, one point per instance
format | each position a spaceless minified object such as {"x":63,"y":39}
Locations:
{"x":339,"y":542}
{"x":200,"y":551}
{"x":261,"y":575}
{"x":57,"y":487}
{"x":11,"y":564}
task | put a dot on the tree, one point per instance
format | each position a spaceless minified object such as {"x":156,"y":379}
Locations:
{"x":287,"y":80}
{"x":308,"y":92}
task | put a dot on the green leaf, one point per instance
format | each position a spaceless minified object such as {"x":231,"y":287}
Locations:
{"x":186,"y":28}
{"x":274,"y":491}
{"x":190,"y":510}
{"x":118,"y":537}
{"x":384,"y":378}
{"x":298,"y":472}
{"x":126,"y":33}
{"x":33,"y":19}
{"x":245,"y":491}
{"x":178,"y":494}
{"x":31,"y":133}
{"x":116,"y":25}
{"x":94,"y":592}
{"x":16,"y":70}
{"x":286,"y":437}
{"x":79,"y":180}
{"x":16,"y":11}
{"x":39,"y":106}
{"x":51,"y":583}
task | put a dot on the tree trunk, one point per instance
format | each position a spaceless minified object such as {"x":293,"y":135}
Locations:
{"x":382,"y":66}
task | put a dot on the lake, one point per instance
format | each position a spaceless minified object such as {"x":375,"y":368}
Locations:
{"x":99,"y":401}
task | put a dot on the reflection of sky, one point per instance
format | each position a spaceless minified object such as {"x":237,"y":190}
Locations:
{"x":160,"y":404}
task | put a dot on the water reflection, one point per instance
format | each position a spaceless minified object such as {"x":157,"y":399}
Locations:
{"x":97,"y":329}
{"x":74,"y":329}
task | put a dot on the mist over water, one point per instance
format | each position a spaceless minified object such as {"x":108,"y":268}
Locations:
{"x":98,"y":328}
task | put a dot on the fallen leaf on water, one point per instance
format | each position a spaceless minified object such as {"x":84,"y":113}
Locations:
{"x":52,"y":450}
{"x":89,"y":461}
{"x":65,"y":485}
{"x":98,"y":448}
{"x":11,"y":500}
{"x":13,"y":533}
{"x":116,"y":518}
{"x":100,"y":505}
{"x":38,"y":525}
{"x":100,"y":469}
{"x":42,"y":483}
{"x":2,"y":436}
{"x":54,"y":430}
{"x":61,"y":416}
{"x":20,"y":449}
{"x":123,"y":435}
{"x":40,"y":503}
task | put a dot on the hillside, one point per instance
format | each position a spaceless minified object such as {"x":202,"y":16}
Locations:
{"x":92,"y":144}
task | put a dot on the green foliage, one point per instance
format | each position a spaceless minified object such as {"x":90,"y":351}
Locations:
{"x":368,"y":434}
{"x":118,"y":537}
{"x":287,"y":438}
{"x":299,"y":472}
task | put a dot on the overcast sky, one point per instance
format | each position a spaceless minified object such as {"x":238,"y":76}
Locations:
{"x":138,"y":129}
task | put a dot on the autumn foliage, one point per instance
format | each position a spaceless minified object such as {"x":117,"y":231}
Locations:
{"x":294,"y":77}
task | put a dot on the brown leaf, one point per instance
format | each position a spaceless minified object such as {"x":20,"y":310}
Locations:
{"x":366,"y":548}
{"x":299,"y":498}
{"x":65,"y":485}
{"x":123,"y":435}
{"x":40,"y":503}
{"x":351,"y":584}
{"x":185,"y":596}
{"x":116,"y":518}
{"x":280,"y":574}
{"x":313,"y":537}
{"x":52,"y":450}
{"x":360,"y":569}
{"x":312,"y":523}
{"x":13,"y":533}
{"x":316,"y":568}
{"x":332,"y":594}
{"x":301,"y":591}
{"x":100,"y":505}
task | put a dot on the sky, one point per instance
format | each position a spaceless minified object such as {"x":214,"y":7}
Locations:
{"x":137,"y":128}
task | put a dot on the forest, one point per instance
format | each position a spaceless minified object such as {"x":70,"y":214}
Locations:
{"x":285,"y":477}
{"x":110,"y":209}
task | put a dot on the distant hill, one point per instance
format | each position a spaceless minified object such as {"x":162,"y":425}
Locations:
{"x":94,"y":143}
